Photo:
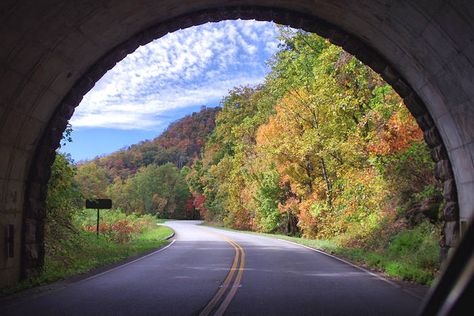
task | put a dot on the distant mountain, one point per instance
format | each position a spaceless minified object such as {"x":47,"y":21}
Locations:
{"x":180,"y":143}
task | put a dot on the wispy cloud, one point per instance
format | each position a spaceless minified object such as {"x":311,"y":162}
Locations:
{"x":195,"y":66}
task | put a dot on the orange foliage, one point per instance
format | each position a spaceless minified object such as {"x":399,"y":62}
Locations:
{"x":397,"y":135}
{"x":242,"y":220}
{"x":120,"y":231}
{"x":306,"y":221}
{"x":266,"y":133}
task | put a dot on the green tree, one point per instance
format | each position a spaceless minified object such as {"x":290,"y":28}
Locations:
{"x":62,"y":203}
{"x":268,"y":196}
{"x":63,"y":192}
{"x":92,"y":181}
{"x":159,"y":190}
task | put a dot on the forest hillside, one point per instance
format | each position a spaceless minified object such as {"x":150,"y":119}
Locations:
{"x":179,"y":144}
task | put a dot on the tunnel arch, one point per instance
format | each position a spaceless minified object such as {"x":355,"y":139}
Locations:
{"x":443,"y":119}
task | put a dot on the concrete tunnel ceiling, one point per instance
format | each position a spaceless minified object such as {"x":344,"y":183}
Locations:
{"x":53,"y":52}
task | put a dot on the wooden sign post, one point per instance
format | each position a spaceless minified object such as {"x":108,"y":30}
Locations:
{"x":99,"y":204}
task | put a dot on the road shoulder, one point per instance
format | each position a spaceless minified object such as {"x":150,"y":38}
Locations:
{"x":416,"y":290}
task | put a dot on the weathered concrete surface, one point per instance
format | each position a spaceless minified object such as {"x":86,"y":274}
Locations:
{"x":52,"y":52}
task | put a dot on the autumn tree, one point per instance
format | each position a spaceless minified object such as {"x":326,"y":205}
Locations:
{"x":323,"y":148}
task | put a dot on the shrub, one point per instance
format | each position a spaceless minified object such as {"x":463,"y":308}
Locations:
{"x":419,"y":249}
{"x":115,"y":225}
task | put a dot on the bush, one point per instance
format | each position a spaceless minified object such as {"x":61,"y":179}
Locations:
{"x":418,"y":246}
{"x":114,"y":224}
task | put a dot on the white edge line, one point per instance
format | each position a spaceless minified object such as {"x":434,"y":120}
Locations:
{"x":381,"y":278}
{"x":126,"y":264}
{"x":339,"y":259}
{"x":355,"y":266}
{"x":349,"y":263}
{"x":34,"y":295}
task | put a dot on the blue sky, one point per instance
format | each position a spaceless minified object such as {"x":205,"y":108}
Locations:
{"x":167,"y":79}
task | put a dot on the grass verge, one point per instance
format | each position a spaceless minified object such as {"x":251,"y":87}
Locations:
{"x":85,"y":252}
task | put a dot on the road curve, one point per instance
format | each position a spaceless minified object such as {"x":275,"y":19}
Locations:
{"x":208,"y":271}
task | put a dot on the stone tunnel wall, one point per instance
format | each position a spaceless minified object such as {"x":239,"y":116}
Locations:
{"x":51,"y":55}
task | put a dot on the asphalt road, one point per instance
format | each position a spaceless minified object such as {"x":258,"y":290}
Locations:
{"x":207,"y":271}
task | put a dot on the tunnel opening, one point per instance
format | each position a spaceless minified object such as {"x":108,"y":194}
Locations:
{"x":32,"y":233}
{"x":73,"y":99}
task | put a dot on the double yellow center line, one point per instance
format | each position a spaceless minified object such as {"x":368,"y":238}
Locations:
{"x":229,"y":283}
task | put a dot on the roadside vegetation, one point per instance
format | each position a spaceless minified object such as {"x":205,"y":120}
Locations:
{"x":411,"y":255}
{"x":71,"y":244}
{"x":82,"y":251}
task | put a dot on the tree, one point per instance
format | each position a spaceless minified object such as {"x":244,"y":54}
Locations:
{"x":63,"y":192}
{"x":92,"y":181}
{"x":268,"y":197}
{"x":62,"y":201}
{"x":157,"y":190}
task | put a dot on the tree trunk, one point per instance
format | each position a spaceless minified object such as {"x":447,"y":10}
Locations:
{"x":328,"y":183}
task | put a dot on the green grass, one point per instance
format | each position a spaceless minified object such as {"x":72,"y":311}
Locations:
{"x":413,"y":255}
{"x":83,"y":252}
{"x":159,"y":233}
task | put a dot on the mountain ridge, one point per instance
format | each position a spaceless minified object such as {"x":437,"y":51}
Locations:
{"x":180,"y":143}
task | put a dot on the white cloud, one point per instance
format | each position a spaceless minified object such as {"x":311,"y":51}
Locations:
{"x":195,"y":66}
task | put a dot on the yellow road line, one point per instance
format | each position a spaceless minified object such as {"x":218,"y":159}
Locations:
{"x":239,"y":254}
{"x":235,"y":286}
